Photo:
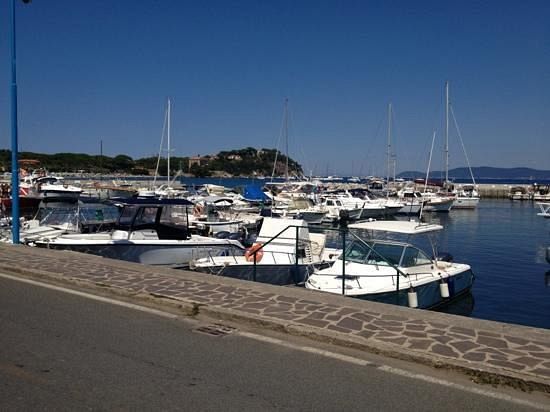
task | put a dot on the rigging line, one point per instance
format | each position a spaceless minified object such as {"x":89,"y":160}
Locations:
{"x":160,"y":148}
{"x":462,"y":143}
{"x":395,"y":132}
{"x":299,"y":147}
{"x":277,"y":147}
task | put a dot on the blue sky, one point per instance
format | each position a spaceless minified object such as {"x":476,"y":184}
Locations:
{"x":91,"y":71}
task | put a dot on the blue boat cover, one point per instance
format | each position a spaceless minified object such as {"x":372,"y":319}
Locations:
{"x":254,"y":193}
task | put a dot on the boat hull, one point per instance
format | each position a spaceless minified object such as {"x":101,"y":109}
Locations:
{"x":428,"y":294}
{"x":466,"y":203}
{"x":174,"y":255}
{"x":274,"y":274}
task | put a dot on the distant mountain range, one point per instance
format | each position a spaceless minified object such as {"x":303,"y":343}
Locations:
{"x":483,"y":172}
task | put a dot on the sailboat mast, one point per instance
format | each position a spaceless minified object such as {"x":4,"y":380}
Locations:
{"x":388,"y":153}
{"x":446,"y":132}
{"x":168,"y":143}
{"x":286,"y":137}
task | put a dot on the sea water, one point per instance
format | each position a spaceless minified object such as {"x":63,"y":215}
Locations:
{"x":505,"y":244}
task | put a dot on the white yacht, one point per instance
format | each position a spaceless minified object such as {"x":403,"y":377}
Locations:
{"x":379,"y":268}
{"x":148,"y":231}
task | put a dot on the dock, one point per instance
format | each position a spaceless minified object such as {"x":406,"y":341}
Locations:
{"x":487,"y":351}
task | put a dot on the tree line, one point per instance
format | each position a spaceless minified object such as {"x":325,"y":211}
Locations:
{"x":243,"y":162}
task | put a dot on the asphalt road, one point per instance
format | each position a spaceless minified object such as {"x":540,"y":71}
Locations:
{"x":64,"y":352}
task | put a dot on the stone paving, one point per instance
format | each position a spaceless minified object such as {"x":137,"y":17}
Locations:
{"x":491,"y":351}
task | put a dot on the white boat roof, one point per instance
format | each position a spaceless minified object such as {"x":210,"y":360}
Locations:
{"x":397,"y":226}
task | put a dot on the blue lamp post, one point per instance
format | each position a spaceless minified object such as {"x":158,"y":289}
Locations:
{"x":14,"y":149}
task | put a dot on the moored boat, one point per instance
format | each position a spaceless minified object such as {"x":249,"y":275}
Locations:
{"x":393,"y":271}
{"x":149,"y":231}
{"x":285,"y":252}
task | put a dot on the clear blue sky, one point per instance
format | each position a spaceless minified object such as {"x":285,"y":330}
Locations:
{"x":103,"y":69}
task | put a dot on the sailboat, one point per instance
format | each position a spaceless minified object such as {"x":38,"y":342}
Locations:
{"x":164,"y":190}
{"x":466,"y":196}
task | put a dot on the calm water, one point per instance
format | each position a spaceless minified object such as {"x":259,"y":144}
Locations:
{"x":505,"y":243}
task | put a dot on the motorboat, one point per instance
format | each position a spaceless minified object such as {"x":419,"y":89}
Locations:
{"x":466,"y":197}
{"x":55,"y":218}
{"x":149,"y":231}
{"x":382,"y":268}
{"x":299,"y":207}
{"x":285,"y":252}
{"x":336,"y":208}
{"x":54,"y":187}
{"x":413,"y":202}
{"x":436,"y":202}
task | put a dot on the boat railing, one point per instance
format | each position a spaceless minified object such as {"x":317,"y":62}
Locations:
{"x":277,"y":256}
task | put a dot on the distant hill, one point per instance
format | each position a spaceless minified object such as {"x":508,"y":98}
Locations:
{"x":483,"y":172}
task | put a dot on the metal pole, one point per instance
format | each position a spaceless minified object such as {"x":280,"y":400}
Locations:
{"x":344,"y":262}
{"x":397,"y":294}
{"x":296,"y":258}
{"x":14,"y":149}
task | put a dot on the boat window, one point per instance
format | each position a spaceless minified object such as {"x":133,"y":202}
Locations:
{"x":414,"y":257}
{"x":174,"y":214}
{"x":146,"y":215}
{"x":383,"y":253}
{"x":127,"y":214}
{"x":357,"y":252}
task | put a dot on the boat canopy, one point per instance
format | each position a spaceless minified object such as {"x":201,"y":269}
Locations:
{"x":397,"y":226}
{"x":254,"y":193}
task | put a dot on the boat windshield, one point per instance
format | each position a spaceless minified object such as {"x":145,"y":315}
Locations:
{"x":383,"y":254}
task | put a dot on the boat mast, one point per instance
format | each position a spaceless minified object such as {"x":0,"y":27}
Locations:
{"x":446,"y":132}
{"x":286,"y":137}
{"x":388,"y":153}
{"x":168,"y":143}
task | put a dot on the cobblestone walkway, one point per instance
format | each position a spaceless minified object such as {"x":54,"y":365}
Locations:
{"x":501,"y":350}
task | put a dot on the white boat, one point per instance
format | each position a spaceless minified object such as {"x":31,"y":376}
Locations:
{"x":57,"y":218}
{"x":391,"y":271}
{"x":149,"y":231}
{"x":544,"y":209}
{"x":53,"y":187}
{"x":437,"y":203}
{"x":298,"y":207}
{"x":412,"y":201}
{"x":272,"y":258}
{"x":466,"y":197}
{"x":336,"y":208}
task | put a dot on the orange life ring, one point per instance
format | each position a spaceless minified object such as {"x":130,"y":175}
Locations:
{"x":249,"y":254}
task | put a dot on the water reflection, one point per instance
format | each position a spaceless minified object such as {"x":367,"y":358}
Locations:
{"x":547,"y":279}
{"x":462,"y":306}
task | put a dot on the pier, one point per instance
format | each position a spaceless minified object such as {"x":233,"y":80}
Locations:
{"x":489,"y":352}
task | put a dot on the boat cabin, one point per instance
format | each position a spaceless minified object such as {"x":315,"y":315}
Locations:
{"x":167,"y":217}
{"x":385,"y":253}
